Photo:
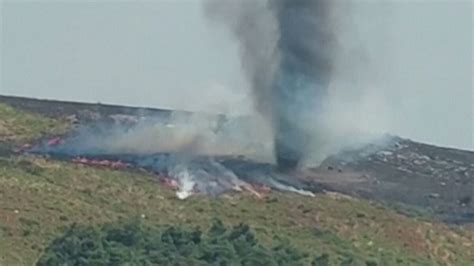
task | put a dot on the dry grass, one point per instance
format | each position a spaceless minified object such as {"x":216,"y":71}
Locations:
{"x":18,"y":126}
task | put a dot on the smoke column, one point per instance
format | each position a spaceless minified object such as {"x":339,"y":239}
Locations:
{"x":286,"y":49}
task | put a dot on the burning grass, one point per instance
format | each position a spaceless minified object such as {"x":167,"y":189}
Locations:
{"x":41,"y":197}
{"x":193,"y":168}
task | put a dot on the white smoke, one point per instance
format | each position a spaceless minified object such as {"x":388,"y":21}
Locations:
{"x":190,"y":134}
{"x":186,"y":181}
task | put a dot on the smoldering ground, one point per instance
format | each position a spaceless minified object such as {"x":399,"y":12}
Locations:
{"x":194,"y":134}
{"x":201,"y":153}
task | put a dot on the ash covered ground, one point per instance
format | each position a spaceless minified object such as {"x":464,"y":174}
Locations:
{"x":433,"y":179}
{"x":402,"y":173}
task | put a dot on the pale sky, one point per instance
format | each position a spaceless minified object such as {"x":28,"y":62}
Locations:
{"x":417,"y":56}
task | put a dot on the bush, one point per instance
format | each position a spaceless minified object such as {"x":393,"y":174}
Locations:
{"x":133,"y":243}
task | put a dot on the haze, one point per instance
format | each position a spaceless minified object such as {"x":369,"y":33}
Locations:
{"x":406,"y":68}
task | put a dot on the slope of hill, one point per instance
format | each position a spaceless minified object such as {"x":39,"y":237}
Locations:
{"x":437,"y":180}
{"x":40,"y":197}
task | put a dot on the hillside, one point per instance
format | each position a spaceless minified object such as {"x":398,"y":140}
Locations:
{"x":42,"y":196}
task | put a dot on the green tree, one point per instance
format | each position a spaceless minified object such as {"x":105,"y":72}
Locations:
{"x":133,"y":243}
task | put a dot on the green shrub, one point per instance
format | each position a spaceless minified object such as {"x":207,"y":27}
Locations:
{"x":133,"y":243}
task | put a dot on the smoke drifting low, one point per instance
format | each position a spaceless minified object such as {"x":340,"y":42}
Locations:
{"x":184,"y":134}
{"x":195,"y":153}
{"x":287,"y":49}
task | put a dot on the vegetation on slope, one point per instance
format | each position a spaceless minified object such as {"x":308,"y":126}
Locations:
{"x":18,"y":126}
{"x":134,"y":243}
{"x":40,"y":198}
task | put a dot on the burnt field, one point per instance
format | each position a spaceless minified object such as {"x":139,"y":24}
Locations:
{"x":72,"y":163}
{"x":435,"y":180}
{"x":410,"y":176}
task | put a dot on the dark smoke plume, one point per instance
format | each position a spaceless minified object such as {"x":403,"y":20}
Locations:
{"x":286,"y":53}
